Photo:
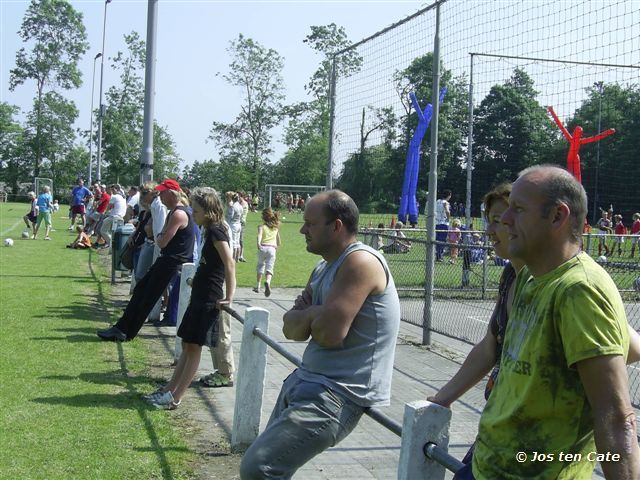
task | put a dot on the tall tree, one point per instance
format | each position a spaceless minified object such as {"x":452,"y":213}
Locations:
{"x":13,"y":164}
{"x":58,"y":40}
{"x":56,"y":134}
{"x":257,"y":71}
{"x":307,"y":129}
{"x":511,"y":131}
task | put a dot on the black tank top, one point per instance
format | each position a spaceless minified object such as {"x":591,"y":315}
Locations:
{"x":181,"y":245}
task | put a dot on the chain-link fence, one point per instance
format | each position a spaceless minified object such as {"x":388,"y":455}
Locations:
{"x":467,"y":277}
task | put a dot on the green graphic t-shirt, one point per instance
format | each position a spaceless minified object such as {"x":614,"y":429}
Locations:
{"x":538,"y":414}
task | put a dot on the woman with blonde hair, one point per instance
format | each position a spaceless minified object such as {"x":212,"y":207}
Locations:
{"x":268,"y":243}
{"x":200,"y":324}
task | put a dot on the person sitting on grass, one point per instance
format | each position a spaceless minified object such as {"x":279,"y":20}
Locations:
{"x":82,"y":241}
{"x":200,"y":322}
{"x":399,"y":243}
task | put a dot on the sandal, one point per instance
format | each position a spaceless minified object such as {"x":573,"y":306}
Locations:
{"x":216,"y":380}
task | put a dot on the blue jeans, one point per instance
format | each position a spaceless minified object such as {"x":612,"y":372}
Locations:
{"x":145,"y":260}
{"x":441,"y":237}
{"x":307,"y":419}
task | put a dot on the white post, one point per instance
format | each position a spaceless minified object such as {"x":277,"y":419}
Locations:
{"x":188,"y":271}
{"x":423,"y":422}
{"x":250,"y":380}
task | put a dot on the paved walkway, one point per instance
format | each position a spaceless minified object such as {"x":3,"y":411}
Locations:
{"x":371,"y":451}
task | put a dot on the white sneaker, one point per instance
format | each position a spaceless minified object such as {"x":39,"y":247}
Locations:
{"x":165,"y":401}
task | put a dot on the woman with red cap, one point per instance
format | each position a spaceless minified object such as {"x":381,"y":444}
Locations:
{"x":176,"y":247}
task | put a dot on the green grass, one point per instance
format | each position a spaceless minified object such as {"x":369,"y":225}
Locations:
{"x":70,"y":402}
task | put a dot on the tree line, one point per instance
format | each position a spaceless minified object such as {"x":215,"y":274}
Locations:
{"x":511,"y":130}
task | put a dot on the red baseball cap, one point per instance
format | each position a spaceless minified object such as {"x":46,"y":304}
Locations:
{"x":168,"y":184}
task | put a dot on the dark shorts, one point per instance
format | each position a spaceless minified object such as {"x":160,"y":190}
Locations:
{"x":77,"y":210}
{"x":200,"y":323}
{"x":33,"y":218}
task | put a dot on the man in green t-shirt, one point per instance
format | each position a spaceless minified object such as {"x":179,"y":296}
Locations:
{"x":561,"y":402}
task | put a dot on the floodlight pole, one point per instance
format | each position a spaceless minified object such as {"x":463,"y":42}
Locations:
{"x":595,"y":194}
{"x":433,"y":187}
{"x":469,"y":149}
{"x":93,"y":84}
{"x":332,"y":107}
{"x":146,"y":157}
{"x":101,"y":107}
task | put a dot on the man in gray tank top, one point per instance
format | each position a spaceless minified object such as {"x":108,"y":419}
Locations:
{"x":350,"y":313}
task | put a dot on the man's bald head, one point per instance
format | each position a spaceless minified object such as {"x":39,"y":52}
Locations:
{"x":559,"y":186}
{"x":338,"y":205}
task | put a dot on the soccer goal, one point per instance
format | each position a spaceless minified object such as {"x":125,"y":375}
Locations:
{"x":41,"y":182}
{"x":276,"y":194}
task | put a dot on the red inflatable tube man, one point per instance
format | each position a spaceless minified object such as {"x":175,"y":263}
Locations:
{"x":575,"y":140}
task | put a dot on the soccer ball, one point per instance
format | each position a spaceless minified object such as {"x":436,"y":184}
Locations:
{"x":284,"y":218}
{"x":602,"y":259}
{"x":8,"y":242}
{"x":25,"y":234}
{"x":636,"y":284}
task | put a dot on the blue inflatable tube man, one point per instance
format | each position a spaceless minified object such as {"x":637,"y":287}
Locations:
{"x":408,"y":202}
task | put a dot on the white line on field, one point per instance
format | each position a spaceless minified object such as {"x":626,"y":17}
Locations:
{"x":477,"y":319}
{"x":3,"y":233}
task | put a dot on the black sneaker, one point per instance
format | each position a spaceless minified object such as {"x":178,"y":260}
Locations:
{"x":112,"y":334}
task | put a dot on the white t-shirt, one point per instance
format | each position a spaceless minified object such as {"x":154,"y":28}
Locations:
{"x":442,"y":211}
{"x":133,"y":200}
{"x":118,"y":204}
{"x":158,"y":216}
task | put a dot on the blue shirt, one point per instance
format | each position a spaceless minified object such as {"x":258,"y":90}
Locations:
{"x":78,"y":194}
{"x":44,"y":199}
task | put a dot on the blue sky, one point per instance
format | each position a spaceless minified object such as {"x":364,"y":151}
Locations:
{"x":191,"y":49}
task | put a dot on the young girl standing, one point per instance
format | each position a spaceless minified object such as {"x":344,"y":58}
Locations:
{"x":200,"y":322}
{"x":268,"y":243}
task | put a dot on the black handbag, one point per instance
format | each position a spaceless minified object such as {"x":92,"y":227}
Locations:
{"x":126,"y":256}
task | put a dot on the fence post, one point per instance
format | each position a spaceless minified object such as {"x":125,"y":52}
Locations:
{"x":188,"y":271}
{"x":423,"y":422}
{"x":250,"y":380}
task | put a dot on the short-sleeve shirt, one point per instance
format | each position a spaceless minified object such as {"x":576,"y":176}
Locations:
{"x":538,"y":404}
{"x":79,"y":194}
{"x":442,"y":207}
{"x":103,"y":203}
{"x":208,"y":280}
{"x":635,"y":228}
{"x":119,"y":205}
{"x":234,"y":213}
{"x":44,"y":199}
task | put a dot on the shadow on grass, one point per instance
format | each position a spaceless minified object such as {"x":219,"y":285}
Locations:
{"x":124,"y":401}
{"x":142,"y":410}
{"x":129,"y":399}
{"x":79,"y":311}
{"x":107,"y":378}
{"x":71,"y":338}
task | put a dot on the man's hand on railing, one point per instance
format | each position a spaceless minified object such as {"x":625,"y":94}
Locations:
{"x":224,"y":301}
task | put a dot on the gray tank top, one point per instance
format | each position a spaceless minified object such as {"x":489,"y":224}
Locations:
{"x":362,"y":366}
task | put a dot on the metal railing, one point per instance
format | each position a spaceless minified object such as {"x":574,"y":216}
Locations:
{"x":409,"y":467}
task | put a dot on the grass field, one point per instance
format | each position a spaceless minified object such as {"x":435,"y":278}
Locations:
{"x":70,"y":402}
